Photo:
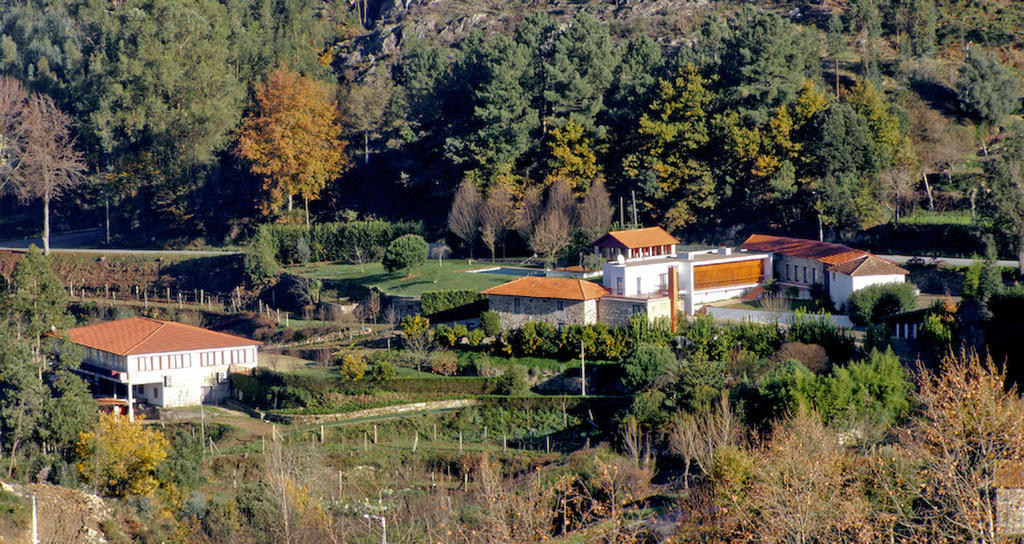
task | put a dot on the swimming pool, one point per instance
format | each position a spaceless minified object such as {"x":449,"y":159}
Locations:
{"x":510,"y":271}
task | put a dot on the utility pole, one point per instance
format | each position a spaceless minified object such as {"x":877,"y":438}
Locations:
{"x":583,"y":371}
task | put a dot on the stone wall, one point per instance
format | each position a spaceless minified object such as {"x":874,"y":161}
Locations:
{"x":572,"y":312}
{"x":616,"y":311}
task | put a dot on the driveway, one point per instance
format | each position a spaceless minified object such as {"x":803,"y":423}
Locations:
{"x":952,"y":261}
{"x":76,"y":242}
{"x":758,"y":316}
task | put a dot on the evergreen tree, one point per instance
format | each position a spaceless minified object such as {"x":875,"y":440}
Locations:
{"x":670,"y":163}
{"x":1004,"y":203}
{"x":580,"y":71}
{"x":923,"y":23}
{"x":835,"y":43}
{"x":35,"y":303}
{"x":988,"y":89}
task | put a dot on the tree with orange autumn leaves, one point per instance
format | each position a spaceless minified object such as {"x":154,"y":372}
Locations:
{"x":292,"y":139}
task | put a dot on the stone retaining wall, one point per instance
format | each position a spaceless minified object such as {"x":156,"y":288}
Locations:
{"x":304,"y":419}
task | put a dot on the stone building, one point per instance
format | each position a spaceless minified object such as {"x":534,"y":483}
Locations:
{"x":558,"y":301}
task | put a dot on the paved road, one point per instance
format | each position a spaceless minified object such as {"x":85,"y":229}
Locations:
{"x":74,"y":242}
{"x":954,"y":261}
{"x":759,"y":316}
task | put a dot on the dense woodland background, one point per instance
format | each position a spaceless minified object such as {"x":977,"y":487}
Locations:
{"x":724,"y":118}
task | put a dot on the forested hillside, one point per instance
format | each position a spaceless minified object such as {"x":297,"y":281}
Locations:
{"x":721,"y":117}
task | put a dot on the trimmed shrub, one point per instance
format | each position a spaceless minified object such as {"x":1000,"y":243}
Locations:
{"x":873,"y":303}
{"x":405,"y":253}
{"x":259,"y":261}
{"x":444,"y":363}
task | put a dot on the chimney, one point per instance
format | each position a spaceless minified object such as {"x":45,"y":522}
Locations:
{"x":725,"y":251}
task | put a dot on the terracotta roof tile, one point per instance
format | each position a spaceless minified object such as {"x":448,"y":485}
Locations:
{"x":540,"y":287}
{"x":868,"y":265}
{"x":636,"y":238}
{"x":137,"y":335}
{"x":825,"y":252}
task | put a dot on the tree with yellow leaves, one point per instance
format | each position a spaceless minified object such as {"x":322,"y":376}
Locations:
{"x":292,"y":139}
{"x":573,"y":157}
{"x":120,"y":456}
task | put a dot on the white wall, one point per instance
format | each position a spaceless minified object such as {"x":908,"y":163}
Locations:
{"x":189,"y":372}
{"x":842,"y":285}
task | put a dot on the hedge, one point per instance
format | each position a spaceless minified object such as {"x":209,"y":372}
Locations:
{"x":353,"y":241}
{"x":452,"y":304}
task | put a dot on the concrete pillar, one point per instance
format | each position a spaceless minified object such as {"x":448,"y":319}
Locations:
{"x":131,"y":402}
{"x":914,"y":331}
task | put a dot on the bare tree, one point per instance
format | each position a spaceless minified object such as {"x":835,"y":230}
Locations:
{"x":49,"y":163}
{"x":560,"y":199}
{"x":696,"y":437}
{"x":595,"y":213}
{"x":12,"y":103}
{"x":551,"y":236}
{"x":530,"y":209}
{"x":971,"y":431}
{"x":801,"y":488}
{"x":495,"y":217}
{"x":898,"y":191}
{"x":464,"y":217}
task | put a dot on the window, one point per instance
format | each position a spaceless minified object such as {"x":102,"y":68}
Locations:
{"x":518,"y":304}
{"x":787,"y":273}
{"x":639,"y":308}
{"x":639,"y":285}
{"x":805,"y":274}
{"x":814,"y":275}
{"x":663,"y":282}
{"x":620,"y":286}
{"x":561,"y":305}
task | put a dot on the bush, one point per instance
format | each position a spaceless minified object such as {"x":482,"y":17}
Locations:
{"x":512,"y":382}
{"x":490,"y":322}
{"x":405,"y":253}
{"x":259,"y":262}
{"x":353,"y":367}
{"x":383,"y":371}
{"x":444,"y":363}
{"x":873,"y":303}
{"x":812,"y":356}
{"x":646,"y":363}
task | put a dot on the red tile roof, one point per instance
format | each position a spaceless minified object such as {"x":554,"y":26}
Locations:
{"x":868,"y":265}
{"x":636,"y":238}
{"x":137,"y":335}
{"x":825,"y":252}
{"x":539,"y":287}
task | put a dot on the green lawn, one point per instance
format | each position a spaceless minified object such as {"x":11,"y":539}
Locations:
{"x":926,"y":217}
{"x":451,"y":274}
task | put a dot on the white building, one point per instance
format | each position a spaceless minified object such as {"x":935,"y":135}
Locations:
{"x":835,"y":269}
{"x":641,"y":265}
{"x":162,"y":363}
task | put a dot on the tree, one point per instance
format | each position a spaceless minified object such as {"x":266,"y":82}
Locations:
{"x":572,"y":156}
{"x":836,"y":46}
{"x":867,"y":19}
{"x":595,"y":212}
{"x":923,"y":23}
{"x":987,"y":88}
{"x":970,"y":432}
{"x":671,"y":159}
{"x":496,"y":217}
{"x":580,"y":70}
{"x":803,"y":487}
{"x":49,"y":163}
{"x":697,"y":437}
{"x":405,"y":253}
{"x":550,"y":236}
{"x":12,"y":104}
{"x":21,"y":394}
{"x":1004,"y":202}
{"x":464,"y":217}
{"x":528,"y":214}
{"x":292,"y":139}
{"x":120,"y":457}
{"x":35,"y":304}
{"x":645,"y":364}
